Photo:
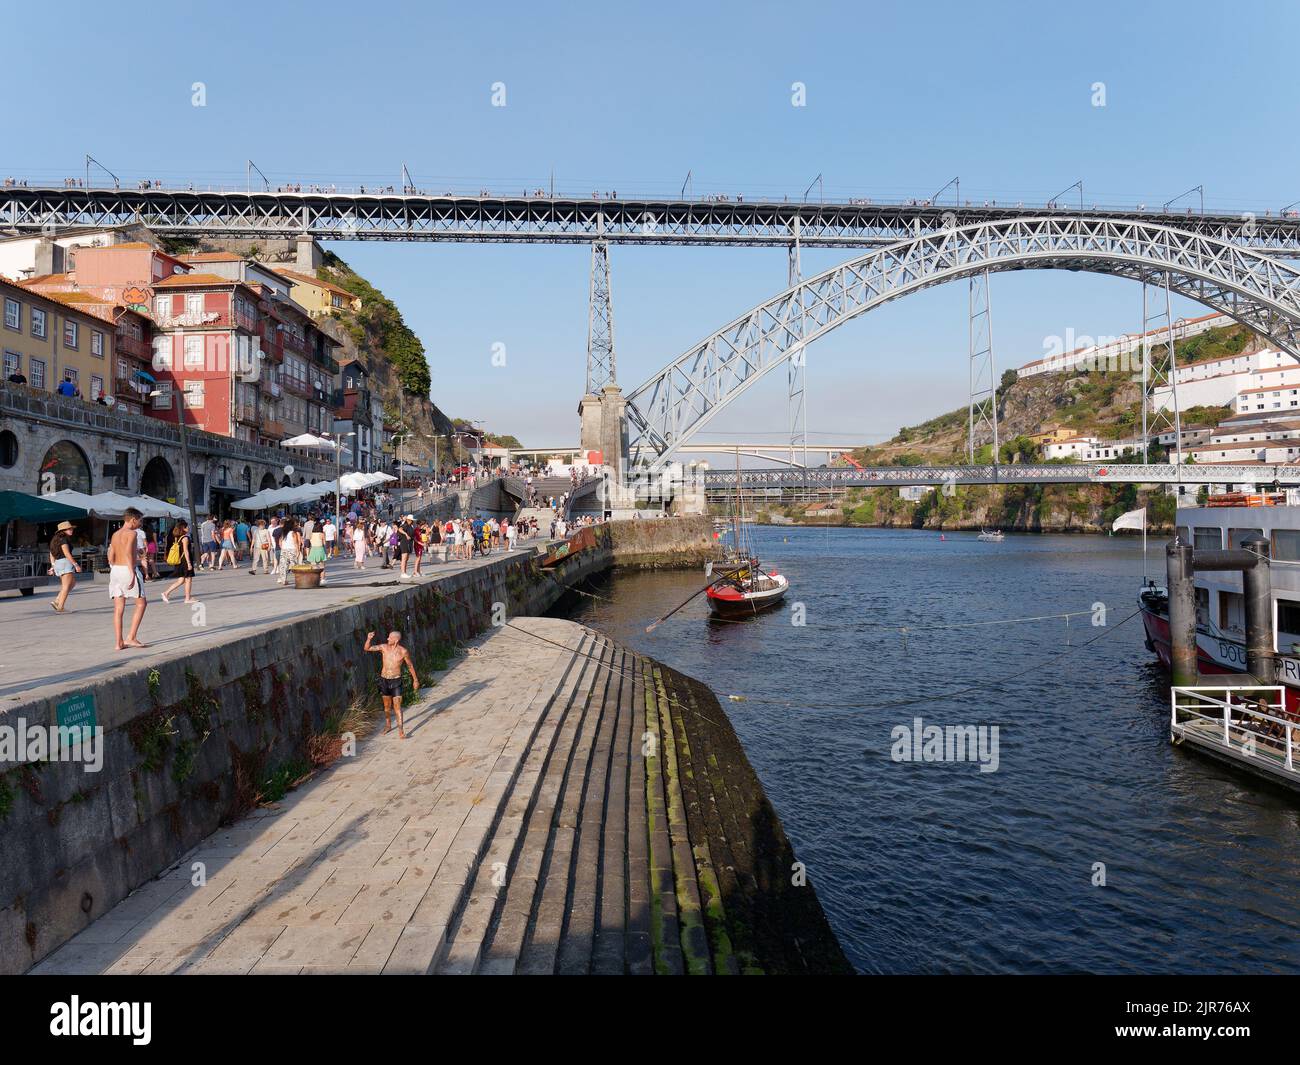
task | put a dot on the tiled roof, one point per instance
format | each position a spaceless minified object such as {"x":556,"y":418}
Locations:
{"x":213,"y":257}
{"x":185,"y":280}
{"x":48,"y":279}
{"x":1256,"y":445}
{"x":48,"y":297}
{"x":307,"y":279}
{"x":1267,"y":388}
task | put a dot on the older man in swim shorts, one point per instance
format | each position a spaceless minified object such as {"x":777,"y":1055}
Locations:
{"x":390,"y":677}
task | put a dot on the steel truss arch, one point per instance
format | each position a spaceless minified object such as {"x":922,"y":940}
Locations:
{"x":667,"y":410}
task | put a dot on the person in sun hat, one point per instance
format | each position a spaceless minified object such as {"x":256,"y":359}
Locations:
{"x":62,"y":564}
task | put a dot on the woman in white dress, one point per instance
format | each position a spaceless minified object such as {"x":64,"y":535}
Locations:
{"x":290,"y":550}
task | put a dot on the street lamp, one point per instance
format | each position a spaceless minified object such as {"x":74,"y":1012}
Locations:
{"x":398,"y":440}
{"x":186,"y":477}
{"x":336,"y":439}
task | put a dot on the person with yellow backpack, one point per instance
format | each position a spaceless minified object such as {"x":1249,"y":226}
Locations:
{"x":180,"y":556}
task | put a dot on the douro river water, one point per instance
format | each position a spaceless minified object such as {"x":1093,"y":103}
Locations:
{"x":1093,"y":845}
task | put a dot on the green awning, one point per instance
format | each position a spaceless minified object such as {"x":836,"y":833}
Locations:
{"x":19,"y":506}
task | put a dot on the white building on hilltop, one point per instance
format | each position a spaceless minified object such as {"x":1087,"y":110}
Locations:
{"x":1219,"y":382}
{"x":1091,"y":449}
{"x":1113,"y":353}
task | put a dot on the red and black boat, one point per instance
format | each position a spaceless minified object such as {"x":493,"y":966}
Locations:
{"x":745,"y":588}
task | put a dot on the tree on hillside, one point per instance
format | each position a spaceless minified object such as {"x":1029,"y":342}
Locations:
{"x":379,"y":329}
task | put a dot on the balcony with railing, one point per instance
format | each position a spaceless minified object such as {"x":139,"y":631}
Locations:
{"x":247,"y":413}
{"x":133,"y":346}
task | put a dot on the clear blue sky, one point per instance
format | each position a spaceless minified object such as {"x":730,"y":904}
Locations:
{"x":900,"y":98}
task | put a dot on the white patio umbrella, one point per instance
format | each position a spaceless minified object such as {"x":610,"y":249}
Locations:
{"x":264,"y":498}
{"x":72,"y":498}
{"x":309,"y":440}
{"x":304,"y":492}
{"x":352,"y":482}
{"x":104,"y":504}
{"x":158,"y":508}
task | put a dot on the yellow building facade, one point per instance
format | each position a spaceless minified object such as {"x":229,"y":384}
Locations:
{"x":317,"y":296}
{"x":48,"y":342}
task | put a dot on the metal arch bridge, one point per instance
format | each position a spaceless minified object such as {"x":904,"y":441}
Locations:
{"x":189,"y":212}
{"x":1045,"y":473}
{"x":1257,"y":290}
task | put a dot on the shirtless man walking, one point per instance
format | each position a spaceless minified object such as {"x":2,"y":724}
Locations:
{"x":390,"y":677}
{"x":125,"y":579}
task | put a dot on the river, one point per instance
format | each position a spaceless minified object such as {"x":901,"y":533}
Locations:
{"x":935,"y":866}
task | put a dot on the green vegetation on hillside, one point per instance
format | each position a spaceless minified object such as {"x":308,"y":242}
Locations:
{"x":379,"y":328}
{"x":1213,"y":344}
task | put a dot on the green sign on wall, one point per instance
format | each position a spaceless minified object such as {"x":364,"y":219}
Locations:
{"x":78,"y":711}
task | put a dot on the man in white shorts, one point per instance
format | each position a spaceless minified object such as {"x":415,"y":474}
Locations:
{"x":125,"y":578}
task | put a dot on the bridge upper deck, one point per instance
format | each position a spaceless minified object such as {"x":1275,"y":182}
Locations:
{"x":541,"y":218}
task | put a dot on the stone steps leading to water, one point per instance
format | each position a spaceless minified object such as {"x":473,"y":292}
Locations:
{"x":629,"y":844}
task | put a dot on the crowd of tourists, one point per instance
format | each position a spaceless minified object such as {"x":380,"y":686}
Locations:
{"x":277,"y":546}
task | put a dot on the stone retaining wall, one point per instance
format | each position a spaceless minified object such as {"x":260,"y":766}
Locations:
{"x":188,"y":746}
{"x":664,"y":543}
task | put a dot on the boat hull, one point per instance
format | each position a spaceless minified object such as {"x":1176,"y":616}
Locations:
{"x":1217,"y":655}
{"x":729,"y":602}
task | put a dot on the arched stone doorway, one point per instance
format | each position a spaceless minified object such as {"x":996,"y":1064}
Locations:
{"x":268,"y":481}
{"x":64,"y":466}
{"x":158,"y":480}
{"x":247,"y":479}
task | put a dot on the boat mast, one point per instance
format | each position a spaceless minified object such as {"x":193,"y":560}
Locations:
{"x":735,"y":517}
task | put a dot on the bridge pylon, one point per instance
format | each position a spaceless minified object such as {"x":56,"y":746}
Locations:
{"x":796,"y":371}
{"x":983,"y":414}
{"x":1159,"y":370}
{"x":601,"y":368}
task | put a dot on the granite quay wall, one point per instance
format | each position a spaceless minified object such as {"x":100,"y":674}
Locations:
{"x":193,"y":744}
{"x":664,"y":543}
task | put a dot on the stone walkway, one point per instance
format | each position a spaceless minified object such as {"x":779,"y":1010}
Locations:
{"x":366,"y":867}
{"x":36,"y":644}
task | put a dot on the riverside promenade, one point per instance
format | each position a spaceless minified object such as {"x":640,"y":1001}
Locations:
{"x":42,"y":652}
{"x":562,"y":805}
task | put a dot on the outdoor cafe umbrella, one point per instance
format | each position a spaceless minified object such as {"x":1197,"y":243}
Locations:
{"x":19,"y":506}
{"x":351,"y":482}
{"x":258,"y":501}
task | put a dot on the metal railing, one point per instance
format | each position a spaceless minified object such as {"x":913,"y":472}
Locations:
{"x":1245,"y":721}
{"x":1026,"y":473}
{"x":27,"y":402}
